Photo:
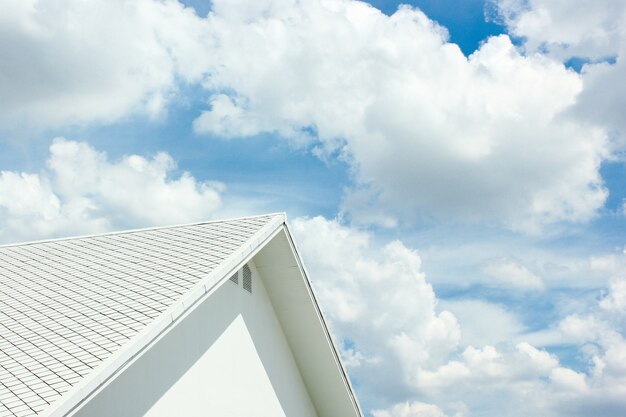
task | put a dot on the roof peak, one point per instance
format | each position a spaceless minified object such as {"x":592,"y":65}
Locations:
{"x":143,"y":229}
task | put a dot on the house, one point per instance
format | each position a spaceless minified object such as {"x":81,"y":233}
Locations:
{"x":207,"y":319}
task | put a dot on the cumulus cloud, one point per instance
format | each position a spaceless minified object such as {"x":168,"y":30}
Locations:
{"x":604,"y":348}
{"x":407,"y":354}
{"x":379,"y":303}
{"x":533,"y":381}
{"x":589,"y":30}
{"x":616,"y":298}
{"x":484,"y":323}
{"x":414,"y":409}
{"x":81,"y":191}
{"x":74,"y":62}
{"x":427,"y":130}
{"x":486,"y":367}
{"x":227,"y":119}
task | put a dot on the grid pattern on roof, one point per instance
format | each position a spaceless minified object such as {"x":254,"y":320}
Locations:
{"x":67,"y":305}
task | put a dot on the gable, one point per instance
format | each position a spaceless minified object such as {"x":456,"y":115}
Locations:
{"x":227,"y":357}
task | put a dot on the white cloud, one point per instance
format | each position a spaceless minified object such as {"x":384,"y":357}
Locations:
{"x":613,"y":304}
{"x":27,"y":202}
{"x":616,"y":298}
{"x":413,"y":409}
{"x":604,"y":97}
{"x":587,"y":28}
{"x":408,"y":360}
{"x":453,"y":252}
{"x":591,"y":30}
{"x":426,"y":130}
{"x":604,"y":348}
{"x":509,"y":273}
{"x":483,"y":323}
{"x":379,"y":304}
{"x":568,"y":380}
{"x":72,"y":61}
{"x":82,"y":192}
{"x":227,"y":119}
{"x":482,"y":367}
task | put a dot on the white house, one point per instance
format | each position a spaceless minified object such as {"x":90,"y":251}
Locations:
{"x":208,"y":319}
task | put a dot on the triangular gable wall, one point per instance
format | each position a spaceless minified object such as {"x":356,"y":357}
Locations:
{"x":227,"y":357}
{"x":303,"y":359}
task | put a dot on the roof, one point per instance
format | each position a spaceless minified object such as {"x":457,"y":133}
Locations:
{"x":73,"y":311}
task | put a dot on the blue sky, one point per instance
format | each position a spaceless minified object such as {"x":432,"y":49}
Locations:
{"x":453,"y":171}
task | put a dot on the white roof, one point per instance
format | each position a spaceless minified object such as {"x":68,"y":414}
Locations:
{"x":69,"y":306}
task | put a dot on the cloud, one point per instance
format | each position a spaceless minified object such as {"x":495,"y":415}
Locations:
{"x":483,"y":323}
{"x":81,"y":191}
{"x":616,"y":298}
{"x":604,"y":97}
{"x":514,"y":376}
{"x":498,"y":137}
{"x":379,"y":304}
{"x":427,"y":131}
{"x":463,"y":263}
{"x":414,"y":409}
{"x":604,"y":348}
{"x":73,"y":62}
{"x":478,"y":368}
{"x":407,"y":355}
{"x":589,"y":30}
{"x":227,"y":119}
{"x":509,"y":273}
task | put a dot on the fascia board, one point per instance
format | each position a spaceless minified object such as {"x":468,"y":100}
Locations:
{"x":295,"y":304}
{"x":109,"y":368}
{"x":322,"y":322}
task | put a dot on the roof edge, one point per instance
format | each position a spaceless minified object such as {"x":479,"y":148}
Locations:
{"x":333,"y":345}
{"x":109,"y":368}
{"x":141,"y":229}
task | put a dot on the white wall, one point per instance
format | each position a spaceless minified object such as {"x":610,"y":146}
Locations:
{"x":228,"y":358}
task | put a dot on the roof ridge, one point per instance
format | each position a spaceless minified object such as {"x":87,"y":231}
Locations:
{"x":143,"y":229}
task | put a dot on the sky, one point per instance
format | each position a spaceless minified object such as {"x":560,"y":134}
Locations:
{"x":453,"y":171}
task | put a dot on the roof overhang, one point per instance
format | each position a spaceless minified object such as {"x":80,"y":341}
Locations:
{"x":296,"y":307}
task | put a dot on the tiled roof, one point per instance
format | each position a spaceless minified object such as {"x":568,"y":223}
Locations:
{"x":67,"y":305}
